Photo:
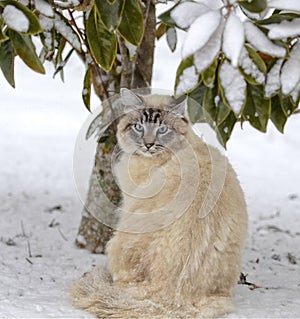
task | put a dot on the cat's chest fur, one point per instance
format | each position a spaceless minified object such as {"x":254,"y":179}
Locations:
{"x":147,"y":184}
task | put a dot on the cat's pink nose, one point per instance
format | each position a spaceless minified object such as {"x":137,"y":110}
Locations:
{"x":149,"y":145}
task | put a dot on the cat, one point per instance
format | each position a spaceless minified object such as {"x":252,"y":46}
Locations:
{"x":171,"y":256}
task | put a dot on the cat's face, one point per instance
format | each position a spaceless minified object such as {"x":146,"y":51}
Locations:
{"x":153,"y":125}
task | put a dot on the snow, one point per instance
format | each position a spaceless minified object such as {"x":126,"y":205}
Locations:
{"x":205,"y":56}
{"x":233,"y":38}
{"x":15,"y":18}
{"x":293,"y":5}
{"x":200,"y":32}
{"x":234,"y":86}
{"x":273,"y":79}
{"x":187,"y":80}
{"x":187,"y":12}
{"x":290,"y":74}
{"x":38,"y":133}
{"x":284,"y":29}
{"x":250,"y":68}
{"x":261,"y":42}
{"x":44,"y":8}
{"x":212,"y":4}
{"x":67,"y":32}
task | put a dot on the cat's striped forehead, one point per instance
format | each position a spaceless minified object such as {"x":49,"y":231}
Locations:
{"x":151,"y":115}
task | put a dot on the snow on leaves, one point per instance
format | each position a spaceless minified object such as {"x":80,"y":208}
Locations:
{"x":250,"y":47}
{"x":234,"y":86}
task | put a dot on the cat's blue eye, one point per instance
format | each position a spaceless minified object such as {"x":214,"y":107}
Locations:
{"x":162,"y":129}
{"x":139,"y":127}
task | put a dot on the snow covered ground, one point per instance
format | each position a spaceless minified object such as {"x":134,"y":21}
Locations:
{"x":40,"y":209}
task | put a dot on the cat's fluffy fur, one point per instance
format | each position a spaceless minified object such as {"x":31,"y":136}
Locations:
{"x":185,"y":267}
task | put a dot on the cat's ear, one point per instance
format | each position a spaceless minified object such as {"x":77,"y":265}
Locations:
{"x":130,"y":100}
{"x":179,"y":105}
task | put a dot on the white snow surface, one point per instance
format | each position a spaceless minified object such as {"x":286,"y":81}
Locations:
{"x":261,"y":42}
{"x":234,"y":86}
{"x":15,"y":18}
{"x":233,"y":38}
{"x":200,"y":32}
{"x":290,"y":73}
{"x":187,"y":80}
{"x":39,"y":124}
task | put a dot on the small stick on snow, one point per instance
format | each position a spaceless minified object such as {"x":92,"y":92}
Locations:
{"x":62,"y":235}
{"x":29,"y":249}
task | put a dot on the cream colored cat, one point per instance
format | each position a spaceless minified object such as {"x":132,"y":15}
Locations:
{"x":177,"y":251}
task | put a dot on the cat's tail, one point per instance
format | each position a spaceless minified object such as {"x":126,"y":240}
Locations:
{"x":96,"y":294}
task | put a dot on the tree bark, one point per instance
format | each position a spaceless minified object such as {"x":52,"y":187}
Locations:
{"x":137,"y":73}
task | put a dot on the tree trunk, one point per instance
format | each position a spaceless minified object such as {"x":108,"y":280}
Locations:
{"x":137,"y":73}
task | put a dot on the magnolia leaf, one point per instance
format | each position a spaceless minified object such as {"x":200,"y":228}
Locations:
{"x":210,"y":105}
{"x":110,"y":13}
{"x":20,"y":18}
{"x":233,"y":87}
{"x":132,"y":23}
{"x":222,"y":109}
{"x":186,"y":76}
{"x":209,"y":74}
{"x":195,"y":104}
{"x":233,"y":38}
{"x":87,"y":86}
{"x":257,"y":108}
{"x":252,"y":66}
{"x":7,"y":59}
{"x":44,"y":8}
{"x":261,"y":42}
{"x":273,"y":84}
{"x":204,"y":57}
{"x":278,"y":116}
{"x":295,"y":94}
{"x":172,"y":39}
{"x":25,"y":48}
{"x":293,"y":5}
{"x":200,"y":32}
{"x":103,"y":43}
{"x":3,"y":36}
{"x":63,"y":63}
{"x":161,"y":30}
{"x":290,"y":74}
{"x":277,"y":18}
{"x":63,"y":26}
{"x":284,"y":29}
{"x":185,"y":13}
{"x":166,"y":18}
{"x":225,"y":128}
{"x":255,"y":6}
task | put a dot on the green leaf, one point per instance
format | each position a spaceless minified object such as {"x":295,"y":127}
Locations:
{"x":25,"y":48}
{"x":87,"y":85}
{"x":209,"y":74}
{"x":110,"y":13}
{"x":3,"y":36}
{"x":195,"y":103}
{"x":161,"y":30}
{"x":166,"y":18}
{"x":132,"y":23}
{"x":255,"y":6}
{"x":34,"y":26}
{"x":172,"y":38}
{"x":225,"y":128}
{"x":184,"y":64}
{"x":257,"y":108}
{"x":288,"y":106}
{"x":278,"y":116}
{"x":7,"y":59}
{"x":278,"y":18}
{"x":210,"y":106}
{"x":103,"y":43}
{"x":250,"y":74}
{"x":63,"y":63}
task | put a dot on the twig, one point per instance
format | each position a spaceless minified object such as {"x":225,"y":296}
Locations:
{"x":61,"y":233}
{"x":243,"y":281}
{"x":29,"y":249}
{"x":22,"y":229}
{"x":29,"y":261}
